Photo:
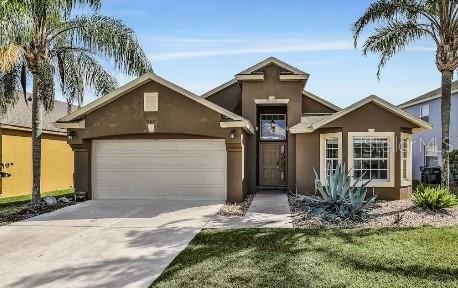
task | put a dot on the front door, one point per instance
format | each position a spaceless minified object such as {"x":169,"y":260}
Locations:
{"x":273,"y":163}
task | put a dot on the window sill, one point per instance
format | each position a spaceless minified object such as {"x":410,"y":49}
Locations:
{"x":376,"y":184}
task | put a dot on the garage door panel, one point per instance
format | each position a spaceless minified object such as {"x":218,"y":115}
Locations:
{"x":144,"y":169}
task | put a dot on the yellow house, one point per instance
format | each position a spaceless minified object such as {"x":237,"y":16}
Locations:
{"x":16,"y":148}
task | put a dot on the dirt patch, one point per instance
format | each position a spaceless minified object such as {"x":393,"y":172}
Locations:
{"x":400,"y":213}
{"x":237,"y":209}
{"x":24,"y":211}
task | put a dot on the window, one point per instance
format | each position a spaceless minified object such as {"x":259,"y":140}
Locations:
{"x":331,"y":158}
{"x":424,"y":112}
{"x":330,"y":153}
{"x":406,"y":159}
{"x":273,"y":127}
{"x":431,"y":155}
{"x":371,"y":157}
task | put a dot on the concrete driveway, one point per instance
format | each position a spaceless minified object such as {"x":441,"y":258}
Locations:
{"x":123,"y":243}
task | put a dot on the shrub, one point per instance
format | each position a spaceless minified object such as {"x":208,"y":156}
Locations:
{"x":454,"y":164}
{"x":434,"y":197}
{"x":344,"y":199}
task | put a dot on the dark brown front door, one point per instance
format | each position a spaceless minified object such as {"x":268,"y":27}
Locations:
{"x":272,"y":164}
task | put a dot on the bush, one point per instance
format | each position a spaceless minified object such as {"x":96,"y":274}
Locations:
{"x":454,"y":164}
{"x":434,"y":197}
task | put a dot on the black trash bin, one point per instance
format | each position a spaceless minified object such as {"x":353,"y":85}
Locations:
{"x":431,"y":175}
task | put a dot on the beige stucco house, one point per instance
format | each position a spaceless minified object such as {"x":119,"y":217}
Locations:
{"x":261,"y":130}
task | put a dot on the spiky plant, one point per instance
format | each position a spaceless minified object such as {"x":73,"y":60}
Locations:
{"x":400,"y":23}
{"x":47,"y":40}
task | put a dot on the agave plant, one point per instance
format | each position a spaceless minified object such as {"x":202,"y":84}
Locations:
{"x":346,"y":200}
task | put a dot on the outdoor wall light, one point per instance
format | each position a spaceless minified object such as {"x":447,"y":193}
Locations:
{"x":71,"y":135}
{"x":232,"y":134}
{"x":272,"y":126}
{"x":150,"y":125}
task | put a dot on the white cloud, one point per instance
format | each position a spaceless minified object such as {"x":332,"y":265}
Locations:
{"x":278,"y":46}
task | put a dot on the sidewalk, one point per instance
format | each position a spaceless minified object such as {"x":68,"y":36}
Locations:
{"x":269,"y":209}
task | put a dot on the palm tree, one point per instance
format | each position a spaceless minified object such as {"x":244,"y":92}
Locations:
{"x":46,"y":40}
{"x":399,"y":23}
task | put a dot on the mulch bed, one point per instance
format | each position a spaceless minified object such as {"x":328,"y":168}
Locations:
{"x":400,"y":213}
{"x":21,"y":212}
{"x":237,"y":209}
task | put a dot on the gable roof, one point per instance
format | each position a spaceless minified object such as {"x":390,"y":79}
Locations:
{"x":321,"y":100}
{"x":431,"y":95}
{"x":102,"y":101}
{"x":275,"y":61}
{"x":20,"y":116}
{"x":301,"y":127}
{"x":219,"y":88}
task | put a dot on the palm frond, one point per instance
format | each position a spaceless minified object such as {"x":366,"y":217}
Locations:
{"x":109,"y":38}
{"x":393,"y":38}
{"x":385,"y":11}
{"x":8,"y":85}
{"x":45,"y":86}
{"x":79,"y":71}
{"x":10,"y":56}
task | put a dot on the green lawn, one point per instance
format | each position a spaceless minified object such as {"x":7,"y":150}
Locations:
{"x":421,"y":257}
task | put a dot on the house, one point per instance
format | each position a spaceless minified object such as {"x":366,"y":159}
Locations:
{"x":261,"y":130}
{"x":16,"y":147}
{"x":427,"y":145}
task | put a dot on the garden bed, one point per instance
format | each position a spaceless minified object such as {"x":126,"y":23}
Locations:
{"x":13,"y":209}
{"x":400,"y":213}
{"x":237,"y":209}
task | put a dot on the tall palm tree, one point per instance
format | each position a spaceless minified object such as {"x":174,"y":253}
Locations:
{"x":47,"y":41}
{"x":399,"y":23}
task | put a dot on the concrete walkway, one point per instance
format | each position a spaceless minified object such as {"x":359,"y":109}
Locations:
{"x":269,"y":209}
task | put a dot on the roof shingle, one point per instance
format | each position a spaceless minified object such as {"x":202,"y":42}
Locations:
{"x":21,"y":116}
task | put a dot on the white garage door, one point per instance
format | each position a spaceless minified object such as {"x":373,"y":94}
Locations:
{"x":145,"y":169}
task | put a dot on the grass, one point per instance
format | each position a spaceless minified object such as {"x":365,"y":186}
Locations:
{"x":19,"y":200}
{"x":421,"y":257}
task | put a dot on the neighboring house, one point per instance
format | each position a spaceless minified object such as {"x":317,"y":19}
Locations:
{"x":16,"y":147}
{"x":261,"y":130}
{"x":427,"y":145}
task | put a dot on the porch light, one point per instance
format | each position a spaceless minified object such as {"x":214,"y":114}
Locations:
{"x":150,"y":125}
{"x":232,"y":135}
{"x":273,"y":125}
{"x":71,"y":135}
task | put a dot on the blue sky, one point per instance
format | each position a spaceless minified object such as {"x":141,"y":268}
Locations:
{"x":200,"y":44}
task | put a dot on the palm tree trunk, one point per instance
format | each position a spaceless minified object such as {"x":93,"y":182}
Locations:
{"x":445,"y":117}
{"x":36,"y":142}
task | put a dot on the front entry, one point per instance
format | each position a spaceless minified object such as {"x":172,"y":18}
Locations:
{"x":273,"y":164}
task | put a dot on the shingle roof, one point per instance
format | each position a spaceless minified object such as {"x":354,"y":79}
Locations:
{"x":308,"y":120}
{"x":436,"y":93}
{"x":21,"y":116}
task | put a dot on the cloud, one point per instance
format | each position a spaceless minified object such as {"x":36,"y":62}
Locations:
{"x":288,"y":46}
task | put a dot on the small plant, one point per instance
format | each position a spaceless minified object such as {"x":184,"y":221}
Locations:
{"x":346,"y":200}
{"x":398,"y":218}
{"x":434,"y":197}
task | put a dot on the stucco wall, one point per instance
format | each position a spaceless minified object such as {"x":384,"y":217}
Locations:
{"x":57,"y":163}
{"x":434,"y":135}
{"x":272,"y":86}
{"x":179,"y":117}
{"x":360,"y":120}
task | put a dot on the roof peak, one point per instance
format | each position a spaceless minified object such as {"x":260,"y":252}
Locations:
{"x":272,"y":60}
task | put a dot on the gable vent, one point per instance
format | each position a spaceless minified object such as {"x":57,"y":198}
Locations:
{"x":150,"y":102}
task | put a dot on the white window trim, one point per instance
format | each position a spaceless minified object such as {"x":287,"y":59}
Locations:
{"x":408,"y":180}
{"x":391,"y":157}
{"x":323,"y":138}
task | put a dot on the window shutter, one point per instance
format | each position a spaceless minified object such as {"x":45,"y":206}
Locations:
{"x":150,"y":102}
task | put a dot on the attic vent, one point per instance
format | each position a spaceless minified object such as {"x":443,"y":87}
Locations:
{"x":150,"y":102}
